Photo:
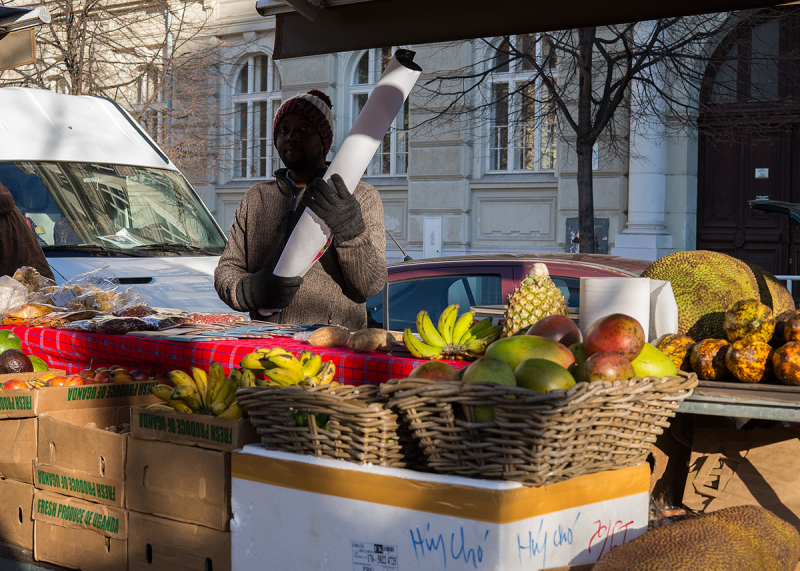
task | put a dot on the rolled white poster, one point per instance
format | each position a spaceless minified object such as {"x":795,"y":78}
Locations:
{"x":311,"y":237}
{"x":663,"y":309}
{"x":603,"y":296}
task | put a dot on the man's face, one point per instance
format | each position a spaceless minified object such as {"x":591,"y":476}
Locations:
{"x":299,"y":144}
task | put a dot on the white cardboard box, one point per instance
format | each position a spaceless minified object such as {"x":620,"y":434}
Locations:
{"x":299,"y":512}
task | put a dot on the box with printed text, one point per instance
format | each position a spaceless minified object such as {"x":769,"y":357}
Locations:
{"x":82,"y":454}
{"x":78,"y":534}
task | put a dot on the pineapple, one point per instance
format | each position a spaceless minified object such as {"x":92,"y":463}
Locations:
{"x":535,"y":298}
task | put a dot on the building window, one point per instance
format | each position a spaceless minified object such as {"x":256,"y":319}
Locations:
{"x":256,"y":100}
{"x":391,"y":158}
{"x":522,"y":128}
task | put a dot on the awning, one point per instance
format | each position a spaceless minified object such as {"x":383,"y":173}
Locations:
{"x":383,"y":23}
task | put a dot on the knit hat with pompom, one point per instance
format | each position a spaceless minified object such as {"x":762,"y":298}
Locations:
{"x":315,"y":106}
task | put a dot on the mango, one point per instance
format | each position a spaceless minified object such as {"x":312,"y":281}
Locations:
{"x":579,"y":369}
{"x":617,"y":333}
{"x":514,"y":350}
{"x":488,"y":370}
{"x":653,"y":363}
{"x":435,"y":371}
{"x":559,"y":328}
{"x":608,"y":366}
{"x":542,"y":376}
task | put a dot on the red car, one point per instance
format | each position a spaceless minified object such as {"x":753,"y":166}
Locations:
{"x":482,"y":280}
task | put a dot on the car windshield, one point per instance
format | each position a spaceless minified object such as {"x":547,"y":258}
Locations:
{"x":96,"y":209}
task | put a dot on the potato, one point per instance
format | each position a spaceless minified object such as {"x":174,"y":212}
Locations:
{"x":330,"y":336}
{"x":368,"y":340}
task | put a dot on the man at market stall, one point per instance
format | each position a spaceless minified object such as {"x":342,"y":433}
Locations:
{"x":353,"y":268}
{"x":18,"y":245}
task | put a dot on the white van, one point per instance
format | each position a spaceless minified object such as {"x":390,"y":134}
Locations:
{"x":99,"y":192}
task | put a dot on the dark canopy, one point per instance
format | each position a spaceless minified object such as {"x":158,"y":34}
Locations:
{"x":380,"y":23}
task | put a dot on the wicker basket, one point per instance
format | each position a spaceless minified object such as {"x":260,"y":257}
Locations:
{"x":361,"y":428}
{"x":537,"y":438}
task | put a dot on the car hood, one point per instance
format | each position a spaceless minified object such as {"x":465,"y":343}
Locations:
{"x":176,"y":282}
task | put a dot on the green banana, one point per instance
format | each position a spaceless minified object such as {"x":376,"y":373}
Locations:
{"x":216,"y":378}
{"x":447,"y":321}
{"x":478,"y":346}
{"x":284,"y":377}
{"x":234,"y":412}
{"x":480,"y":326}
{"x":430,"y":335}
{"x":419,"y":348}
{"x":189,"y":395}
{"x":179,"y":378}
{"x":461,"y":328}
{"x":201,"y":380}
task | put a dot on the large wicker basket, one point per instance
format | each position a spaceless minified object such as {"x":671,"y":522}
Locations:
{"x":360,"y":426}
{"x":537,"y":438}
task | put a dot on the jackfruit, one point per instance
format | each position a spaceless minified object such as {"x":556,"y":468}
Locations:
{"x":707,"y":283}
{"x":740,"y":538}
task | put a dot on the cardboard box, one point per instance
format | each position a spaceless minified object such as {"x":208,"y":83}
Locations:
{"x":300,"y":512}
{"x":159,"y":544}
{"x":19,"y":449}
{"x":78,"y":457}
{"x":204,"y":431}
{"x":16,"y":521}
{"x":79,"y":534}
{"x":184,"y":483}
{"x":30,"y":403}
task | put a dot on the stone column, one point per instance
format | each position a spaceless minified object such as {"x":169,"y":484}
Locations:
{"x":646,"y":235}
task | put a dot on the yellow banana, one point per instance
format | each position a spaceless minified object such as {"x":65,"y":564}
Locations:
{"x":284,"y":377}
{"x":428,"y":332}
{"x":189,"y":395}
{"x":234,"y":412}
{"x":277,"y":351}
{"x":419,"y":348}
{"x":248,"y":379}
{"x":159,"y":406}
{"x":252,"y":361}
{"x":219,"y":407}
{"x":216,"y":378}
{"x":326,"y":373}
{"x":461,"y":328}
{"x":179,"y":378}
{"x":237,"y":375}
{"x":163,"y":392}
{"x":228,"y":391}
{"x":201,"y":380}
{"x":310,"y":363}
{"x":447,"y":321}
{"x":287,"y":362}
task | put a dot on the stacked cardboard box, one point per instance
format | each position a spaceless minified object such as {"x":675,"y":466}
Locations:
{"x":44,"y":435}
{"x":178,"y":489}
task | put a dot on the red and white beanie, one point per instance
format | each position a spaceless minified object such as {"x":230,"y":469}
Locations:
{"x":316,"y":107}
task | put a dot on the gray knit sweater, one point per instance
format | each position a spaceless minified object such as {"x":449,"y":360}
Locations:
{"x":337,"y":285}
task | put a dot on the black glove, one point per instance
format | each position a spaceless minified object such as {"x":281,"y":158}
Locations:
{"x":339,"y":210}
{"x":265,"y":290}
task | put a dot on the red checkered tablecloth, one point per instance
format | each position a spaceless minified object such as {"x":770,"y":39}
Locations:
{"x":75,"y":351}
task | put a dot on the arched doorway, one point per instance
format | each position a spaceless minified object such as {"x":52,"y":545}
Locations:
{"x":749,"y":142}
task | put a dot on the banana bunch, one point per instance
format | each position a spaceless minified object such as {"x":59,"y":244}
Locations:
{"x":453,"y":337}
{"x":278,"y":367}
{"x":204,"y":392}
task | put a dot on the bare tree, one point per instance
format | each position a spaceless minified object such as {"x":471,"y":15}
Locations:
{"x":591,"y":79}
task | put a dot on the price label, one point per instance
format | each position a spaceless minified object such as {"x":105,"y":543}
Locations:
{"x":369,"y":556}
{"x":62,"y":298}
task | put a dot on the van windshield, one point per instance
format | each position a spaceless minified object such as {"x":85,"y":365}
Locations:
{"x":95,"y":209}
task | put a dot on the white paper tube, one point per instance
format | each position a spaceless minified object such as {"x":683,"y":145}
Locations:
{"x":311,"y":237}
{"x":603,"y":296}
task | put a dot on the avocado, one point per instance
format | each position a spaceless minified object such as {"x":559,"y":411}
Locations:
{"x":14,"y":361}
